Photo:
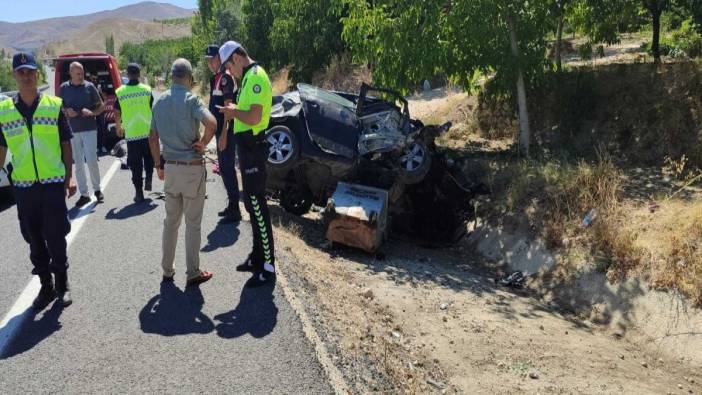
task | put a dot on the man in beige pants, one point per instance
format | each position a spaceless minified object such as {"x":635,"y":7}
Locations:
{"x":177,"y":115}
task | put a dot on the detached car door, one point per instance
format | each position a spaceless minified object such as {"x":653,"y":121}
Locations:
{"x":331,"y":121}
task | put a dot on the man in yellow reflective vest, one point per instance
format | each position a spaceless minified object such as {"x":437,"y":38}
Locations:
{"x":133,"y":119}
{"x":251,"y":116}
{"x":36,"y":132}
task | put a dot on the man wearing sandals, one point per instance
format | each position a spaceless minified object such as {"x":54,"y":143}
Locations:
{"x":176,"y":120}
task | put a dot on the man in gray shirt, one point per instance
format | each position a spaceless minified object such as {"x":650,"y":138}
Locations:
{"x":82,"y":103}
{"x":177,"y":116}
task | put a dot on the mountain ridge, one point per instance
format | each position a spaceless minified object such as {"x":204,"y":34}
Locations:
{"x":33,"y":35}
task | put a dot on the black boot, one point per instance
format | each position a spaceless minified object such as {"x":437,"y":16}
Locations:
{"x":227,"y":210}
{"x":139,"y":196}
{"x":46,"y":293}
{"x":231,"y":214}
{"x":147,"y":184}
{"x":63,"y":289}
{"x":247,"y":266}
{"x":235,"y":215}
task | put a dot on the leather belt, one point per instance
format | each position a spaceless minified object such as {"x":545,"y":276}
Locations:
{"x":197,"y":162}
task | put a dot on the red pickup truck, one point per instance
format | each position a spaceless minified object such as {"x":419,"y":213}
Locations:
{"x":98,"y":67}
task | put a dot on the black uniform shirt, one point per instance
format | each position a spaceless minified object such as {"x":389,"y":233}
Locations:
{"x":221,"y":88}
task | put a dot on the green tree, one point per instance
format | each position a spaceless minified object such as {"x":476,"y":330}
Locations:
{"x":604,"y":20}
{"x":412,"y":40}
{"x":258,"y":21}
{"x":694,"y":7}
{"x":305,"y":35}
{"x":217,"y":21}
{"x":156,"y":56}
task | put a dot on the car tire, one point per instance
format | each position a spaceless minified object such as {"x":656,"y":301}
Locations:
{"x":283,"y":147}
{"x":296,"y":199}
{"x":414,"y":163}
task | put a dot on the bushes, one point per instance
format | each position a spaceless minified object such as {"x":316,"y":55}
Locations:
{"x":687,"y":39}
{"x":640,"y":112}
{"x":683,"y":42}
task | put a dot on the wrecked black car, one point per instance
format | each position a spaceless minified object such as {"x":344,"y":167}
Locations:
{"x":319,"y":137}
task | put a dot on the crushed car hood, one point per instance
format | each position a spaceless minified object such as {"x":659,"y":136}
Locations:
{"x":286,"y":105}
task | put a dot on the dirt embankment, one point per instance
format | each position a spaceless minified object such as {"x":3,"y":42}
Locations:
{"x":420,"y":320}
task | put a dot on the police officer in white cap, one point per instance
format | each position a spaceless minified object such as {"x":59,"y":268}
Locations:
{"x":251,"y":116}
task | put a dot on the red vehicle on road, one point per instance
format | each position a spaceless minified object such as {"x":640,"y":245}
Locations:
{"x":103,"y":69}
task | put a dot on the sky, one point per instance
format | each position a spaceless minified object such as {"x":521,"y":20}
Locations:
{"x":30,"y":10}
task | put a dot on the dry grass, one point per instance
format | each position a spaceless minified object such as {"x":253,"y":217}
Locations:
{"x":342,"y":75}
{"x":280,"y":82}
{"x":562,"y":190}
{"x":663,"y":247}
{"x":670,"y":240}
{"x":339,"y":75}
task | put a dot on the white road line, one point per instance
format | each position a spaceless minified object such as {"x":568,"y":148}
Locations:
{"x":22,"y":309}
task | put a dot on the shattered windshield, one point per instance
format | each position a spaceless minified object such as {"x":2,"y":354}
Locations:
{"x":309,"y":92}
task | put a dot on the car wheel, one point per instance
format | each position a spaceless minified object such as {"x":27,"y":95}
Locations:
{"x":283,"y":147}
{"x":414,"y":163}
{"x":296,"y":199}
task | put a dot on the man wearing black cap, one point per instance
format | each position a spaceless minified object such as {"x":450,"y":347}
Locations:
{"x":133,"y":119}
{"x":222,"y":92}
{"x":251,"y":116}
{"x":35,"y":130}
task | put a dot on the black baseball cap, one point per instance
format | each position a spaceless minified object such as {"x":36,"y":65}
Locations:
{"x":211,"y":51}
{"x":23,"y":60}
{"x":133,"y":68}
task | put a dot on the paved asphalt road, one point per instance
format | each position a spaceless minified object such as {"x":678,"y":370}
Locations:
{"x":126,"y":333}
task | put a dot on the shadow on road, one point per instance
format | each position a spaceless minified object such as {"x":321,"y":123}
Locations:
{"x":132,"y":210}
{"x":33,"y":330}
{"x":222,"y":236}
{"x":174,"y":312}
{"x":255,"y":314}
{"x":75,"y":213}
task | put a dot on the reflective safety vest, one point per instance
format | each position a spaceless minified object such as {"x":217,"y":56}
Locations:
{"x":255,"y":89}
{"x":36,"y":154}
{"x":135,"y":109}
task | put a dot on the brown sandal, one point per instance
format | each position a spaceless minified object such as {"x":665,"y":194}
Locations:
{"x":201,"y":278}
